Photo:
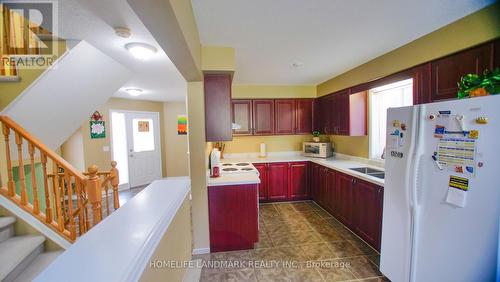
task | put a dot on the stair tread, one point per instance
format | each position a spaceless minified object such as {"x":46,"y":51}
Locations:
{"x":15,"y":250}
{"x":38,"y":265}
{"x":6,"y":221}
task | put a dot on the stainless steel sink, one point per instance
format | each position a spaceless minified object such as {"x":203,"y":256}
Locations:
{"x":380,"y":175}
{"x":366,"y":170}
{"x":370,"y":171}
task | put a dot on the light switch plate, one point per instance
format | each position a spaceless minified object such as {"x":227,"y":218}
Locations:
{"x":105,"y":148}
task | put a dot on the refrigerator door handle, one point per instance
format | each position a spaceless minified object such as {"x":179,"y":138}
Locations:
{"x":414,"y":187}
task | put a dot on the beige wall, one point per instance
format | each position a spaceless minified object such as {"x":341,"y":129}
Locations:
{"x":10,"y":90}
{"x":93,"y":148}
{"x":174,"y":246}
{"x":273,"y":91}
{"x":72,"y":150}
{"x":176,"y":151}
{"x":198,"y":164}
{"x":251,"y":144}
{"x":469,"y":31}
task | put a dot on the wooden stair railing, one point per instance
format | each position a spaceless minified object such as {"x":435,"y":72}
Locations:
{"x":67,"y":193}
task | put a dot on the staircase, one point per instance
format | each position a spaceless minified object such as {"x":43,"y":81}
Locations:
{"x":22,"y":257}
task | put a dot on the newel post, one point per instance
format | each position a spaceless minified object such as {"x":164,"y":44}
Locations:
{"x":94,"y":194}
{"x":115,"y":180}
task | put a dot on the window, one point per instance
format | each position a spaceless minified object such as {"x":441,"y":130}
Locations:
{"x":394,"y":95}
{"x":144,"y":138}
{"x":119,"y":141}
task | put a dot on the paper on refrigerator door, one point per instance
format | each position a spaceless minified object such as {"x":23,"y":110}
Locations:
{"x":457,"y":155}
{"x":457,"y":191}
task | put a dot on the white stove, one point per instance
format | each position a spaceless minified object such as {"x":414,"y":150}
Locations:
{"x":241,"y":167}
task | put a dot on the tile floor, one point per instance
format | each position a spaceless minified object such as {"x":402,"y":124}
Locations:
{"x":298,"y":242}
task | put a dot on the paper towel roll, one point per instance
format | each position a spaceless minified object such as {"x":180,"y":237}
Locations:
{"x":262,"y":150}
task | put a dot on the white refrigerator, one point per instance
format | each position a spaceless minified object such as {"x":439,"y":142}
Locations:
{"x":442,"y":192}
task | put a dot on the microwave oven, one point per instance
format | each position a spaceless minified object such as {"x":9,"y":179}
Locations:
{"x":317,"y":150}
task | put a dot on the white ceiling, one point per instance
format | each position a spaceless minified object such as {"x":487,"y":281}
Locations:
{"x":328,"y":37}
{"x":94,"y":20}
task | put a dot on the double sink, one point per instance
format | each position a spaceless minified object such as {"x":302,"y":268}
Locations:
{"x":370,"y":171}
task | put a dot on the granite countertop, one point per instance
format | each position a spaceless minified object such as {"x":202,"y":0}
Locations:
{"x":339,"y":162}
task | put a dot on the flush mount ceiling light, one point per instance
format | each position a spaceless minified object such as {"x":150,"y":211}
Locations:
{"x":134,"y":91}
{"x":141,"y":51}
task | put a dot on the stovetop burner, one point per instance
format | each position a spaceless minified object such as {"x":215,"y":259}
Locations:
{"x":227,"y":164}
{"x":242,"y":164}
{"x":247,"y":168}
{"x":229,"y":169}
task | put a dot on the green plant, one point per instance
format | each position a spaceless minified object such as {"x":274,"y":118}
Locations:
{"x":478,"y":85}
{"x":316,"y":133}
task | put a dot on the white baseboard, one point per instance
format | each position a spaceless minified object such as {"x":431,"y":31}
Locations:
{"x":201,"y":251}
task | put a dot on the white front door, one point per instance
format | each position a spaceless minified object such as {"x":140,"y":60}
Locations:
{"x":144,"y":153}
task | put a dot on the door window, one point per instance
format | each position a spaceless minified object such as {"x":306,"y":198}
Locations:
{"x":143,"y":135}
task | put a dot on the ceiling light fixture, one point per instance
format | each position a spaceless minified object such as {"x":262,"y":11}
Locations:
{"x":134,"y":91}
{"x":141,"y":51}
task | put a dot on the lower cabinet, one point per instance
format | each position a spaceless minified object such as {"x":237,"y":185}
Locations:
{"x":356,"y":203}
{"x":277,"y":184}
{"x":233,"y":217}
{"x":314,"y":171}
{"x":345,"y":196}
{"x":262,"y":168}
{"x":298,"y":188}
{"x":283,"y":181}
{"x":367,"y":219}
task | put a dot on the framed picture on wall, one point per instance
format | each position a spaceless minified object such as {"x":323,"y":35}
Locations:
{"x":182,"y":124}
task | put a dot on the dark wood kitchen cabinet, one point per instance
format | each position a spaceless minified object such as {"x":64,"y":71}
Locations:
{"x":446,"y":72}
{"x":323,"y":187}
{"x":343,"y":113}
{"x":242,"y":115}
{"x":367,"y":216}
{"x":218,"y":107}
{"x":263,"y":117}
{"x":332,"y":194}
{"x":274,"y":116}
{"x":298,"y":181}
{"x":345,"y":202}
{"x":314,"y":171}
{"x":262,"y":168}
{"x":233,"y":217}
{"x":305,"y":116}
{"x":277,"y":175}
{"x":284,"y":110}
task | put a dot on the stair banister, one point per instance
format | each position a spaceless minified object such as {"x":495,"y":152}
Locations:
{"x":67,"y":191}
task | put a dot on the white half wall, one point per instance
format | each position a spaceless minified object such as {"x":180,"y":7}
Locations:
{"x":53,"y":107}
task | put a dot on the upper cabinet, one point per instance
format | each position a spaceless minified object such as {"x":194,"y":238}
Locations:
{"x":343,"y":113}
{"x":304,"y":116}
{"x":242,"y":116}
{"x":446,"y":72}
{"x":273,"y":116}
{"x":218,"y":107}
{"x":285,"y":116}
{"x":263,"y":117}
